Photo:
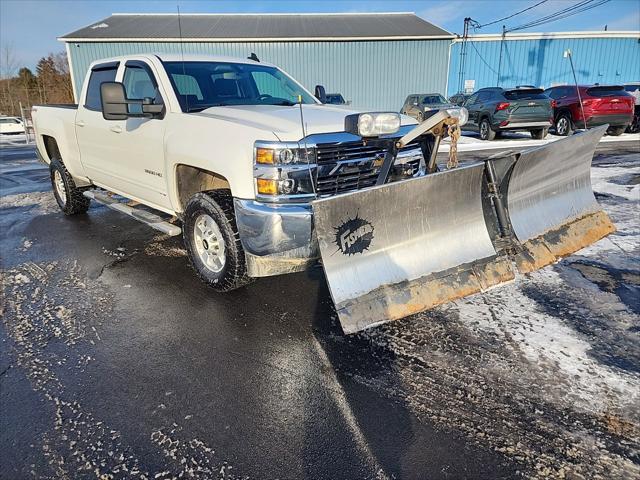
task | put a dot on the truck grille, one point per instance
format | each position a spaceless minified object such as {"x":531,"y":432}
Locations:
{"x":345,"y":167}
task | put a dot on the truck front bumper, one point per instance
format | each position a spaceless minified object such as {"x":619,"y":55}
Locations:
{"x":277,"y":238}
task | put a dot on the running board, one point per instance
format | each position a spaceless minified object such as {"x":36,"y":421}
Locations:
{"x":154,"y":221}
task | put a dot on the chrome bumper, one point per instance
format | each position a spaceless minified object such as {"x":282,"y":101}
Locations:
{"x":277,"y":239}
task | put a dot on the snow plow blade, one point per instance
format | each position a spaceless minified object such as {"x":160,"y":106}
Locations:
{"x":404,"y":247}
{"x":552,"y":208}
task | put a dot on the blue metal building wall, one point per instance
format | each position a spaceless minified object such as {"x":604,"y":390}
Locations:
{"x":540,"y":62}
{"x":372,"y":74}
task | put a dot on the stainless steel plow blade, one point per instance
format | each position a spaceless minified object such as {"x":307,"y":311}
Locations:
{"x":551,"y":204}
{"x":402,"y":248}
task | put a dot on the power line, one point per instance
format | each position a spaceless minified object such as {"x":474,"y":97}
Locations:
{"x":512,"y":15}
{"x":481,"y":57}
{"x":579,"y":7}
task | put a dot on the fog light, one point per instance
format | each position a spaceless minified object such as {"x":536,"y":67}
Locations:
{"x":287,"y":186}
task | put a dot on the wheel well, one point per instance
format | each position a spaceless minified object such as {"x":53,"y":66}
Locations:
{"x":191,"y":180}
{"x":563,"y":111}
{"x":51,"y":147}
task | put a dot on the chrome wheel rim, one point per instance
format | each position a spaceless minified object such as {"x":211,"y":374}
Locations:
{"x":483,"y":130}
{"x":209,"y":243}
{"x":562,"y":126}
{"x":58,"y":184}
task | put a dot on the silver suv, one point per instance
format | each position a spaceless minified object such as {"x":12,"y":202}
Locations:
{"x":422,"y":106}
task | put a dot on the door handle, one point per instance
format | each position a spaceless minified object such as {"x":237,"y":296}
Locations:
{"x":79,"y":123}
{"x":116,"y":129}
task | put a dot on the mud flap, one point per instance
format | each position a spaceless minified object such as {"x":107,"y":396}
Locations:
{"x":404,"y":247}
{"x":551,"y":205}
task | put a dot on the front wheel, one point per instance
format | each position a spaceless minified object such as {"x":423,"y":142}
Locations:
{"x":212,"y":240}
{"x":69,"y":197}
{"x":539,"y":133}
{"x":615,"y":131}
{"x":486,"y":132}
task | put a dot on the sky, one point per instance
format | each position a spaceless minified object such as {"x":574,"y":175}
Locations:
{"x":29,"y":28}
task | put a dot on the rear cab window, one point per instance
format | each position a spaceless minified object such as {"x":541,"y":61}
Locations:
{"x":101,"y":73}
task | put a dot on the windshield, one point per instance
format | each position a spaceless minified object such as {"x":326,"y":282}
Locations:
{"x":433,"y":99}
{"x":200,"y":85}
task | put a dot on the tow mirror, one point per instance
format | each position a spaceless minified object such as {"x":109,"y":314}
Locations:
{"x":114,"y":101}
{"x":320,"y":94}
{"x":115,"y":105}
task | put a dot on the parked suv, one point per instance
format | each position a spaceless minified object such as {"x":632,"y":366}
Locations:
{"x":602,"y":104}
{"x":496,"y":109}
{"x":422,"y":106}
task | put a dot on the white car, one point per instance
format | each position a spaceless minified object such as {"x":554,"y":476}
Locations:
{"x":11,"y":126}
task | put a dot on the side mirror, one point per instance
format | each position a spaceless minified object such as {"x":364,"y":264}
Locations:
{"x":115,"y":105}
{"x":114,"y":101}
{"x":321,"y":94}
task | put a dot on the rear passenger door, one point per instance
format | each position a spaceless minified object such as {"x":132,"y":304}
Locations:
{"x":91,"y":127}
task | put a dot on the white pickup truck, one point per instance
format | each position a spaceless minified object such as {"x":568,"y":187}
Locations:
{"x":233,"y":148}
{"x":262,"y":178}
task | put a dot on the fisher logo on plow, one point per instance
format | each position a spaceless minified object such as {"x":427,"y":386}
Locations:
{"x":354,"y":236}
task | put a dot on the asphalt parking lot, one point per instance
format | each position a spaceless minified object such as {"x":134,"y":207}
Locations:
{"x":116,"y":362}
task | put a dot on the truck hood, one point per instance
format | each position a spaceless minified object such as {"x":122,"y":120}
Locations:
{"x":284,"y":121}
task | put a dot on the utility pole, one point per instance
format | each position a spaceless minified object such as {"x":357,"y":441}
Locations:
{"x":504,"y":33}
{"x":567,"y":54}
{"x":463,"y":54}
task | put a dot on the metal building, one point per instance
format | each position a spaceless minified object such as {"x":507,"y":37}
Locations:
{"x":374,"y":59}
{"x":538,"y":59}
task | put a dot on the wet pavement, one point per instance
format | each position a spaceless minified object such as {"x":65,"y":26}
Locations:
{"x":116,"y":362}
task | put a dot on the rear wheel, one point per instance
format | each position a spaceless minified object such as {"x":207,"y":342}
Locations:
{"x":539,"y":133}
{"x":486,"y":132}
{"x":69,"y":197}
{"x":212,"y":240}
{"x":615,"y":131}
{"x":563,"y":125}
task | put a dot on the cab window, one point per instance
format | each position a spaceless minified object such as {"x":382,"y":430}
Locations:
{"x":99,"y":75}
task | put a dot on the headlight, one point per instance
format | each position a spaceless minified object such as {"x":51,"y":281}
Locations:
{"x":372,"y":124}
{"x":461,"y":113}
{"x":283,"y":171}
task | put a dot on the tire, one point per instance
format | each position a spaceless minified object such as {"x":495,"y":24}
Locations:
{"x":564,"y":125}
{"x":69,"y":197}
{"x":420,"y":117}
{"x":486,"y":132}
{"x":212,"y":240}
{"x":615,"y":131}
{"x":539,"y":133}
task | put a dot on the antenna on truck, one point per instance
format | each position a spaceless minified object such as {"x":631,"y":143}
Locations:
{"x":184,"y":74}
